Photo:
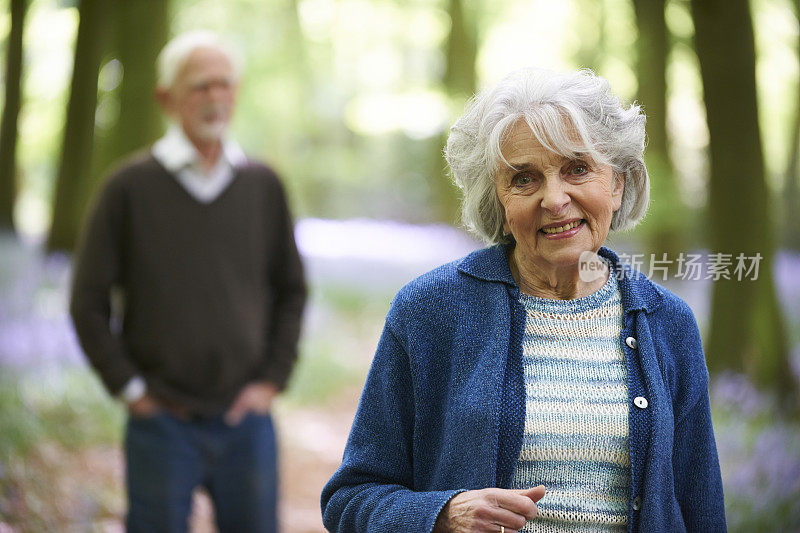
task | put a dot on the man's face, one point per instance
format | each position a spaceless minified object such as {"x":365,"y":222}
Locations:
{"x":203,"y":94}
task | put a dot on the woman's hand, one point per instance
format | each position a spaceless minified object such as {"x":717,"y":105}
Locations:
{"x":489,"y":511}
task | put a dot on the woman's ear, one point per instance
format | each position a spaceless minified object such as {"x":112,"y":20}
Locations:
{"x":618,"y":189}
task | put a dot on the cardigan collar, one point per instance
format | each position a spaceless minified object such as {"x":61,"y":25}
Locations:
{"x":638,"y":292}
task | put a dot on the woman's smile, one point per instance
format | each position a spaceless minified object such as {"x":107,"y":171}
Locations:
{"x":564,"y":230}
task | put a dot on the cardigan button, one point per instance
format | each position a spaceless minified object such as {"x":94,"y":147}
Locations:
{"x":631,"y":342}
{"x":637,"y":503}
{"x":640,"y":402}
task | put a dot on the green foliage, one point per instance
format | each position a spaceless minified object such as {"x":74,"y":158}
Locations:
{"x":321,"y":374}
{"x":55,"y":469}
{"x":336,"y":354}
{"x":68,"y":407}
{"x":353,"y":304}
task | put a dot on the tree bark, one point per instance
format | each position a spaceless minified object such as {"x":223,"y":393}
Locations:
{"x":140,"y":121}
{"x":461,"y":50}
{"x":666,"y":221}
{"x":73,"y":184}
{"x":747,"y":331}
{"x":8,"y":125}
{"x":791,"y":184}
{"x":459,"y":81}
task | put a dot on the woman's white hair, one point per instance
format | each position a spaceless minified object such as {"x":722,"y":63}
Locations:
{"x":176,"y":52}
{"x":574,"y":114}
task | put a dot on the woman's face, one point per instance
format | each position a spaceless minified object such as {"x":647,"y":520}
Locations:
{"x":555,"y":207}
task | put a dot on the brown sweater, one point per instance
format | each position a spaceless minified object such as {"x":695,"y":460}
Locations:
{"x":213,"y":293}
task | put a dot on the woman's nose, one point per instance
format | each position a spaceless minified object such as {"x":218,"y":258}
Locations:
{"x":554,"y":196}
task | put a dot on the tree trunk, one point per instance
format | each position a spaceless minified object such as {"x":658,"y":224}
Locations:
{"x":459,"y":80}
{"x":666,"y":221}
{"x":139,"y":122}
{"x":73,"y":184}
{"x":461,"y":50}
{"x":747,"y":331}
{"x":8,"y":125}
{"x":791,"y":184}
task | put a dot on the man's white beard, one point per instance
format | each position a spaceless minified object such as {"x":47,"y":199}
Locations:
{"x":215,"y":121}
{"x":212,"y":131}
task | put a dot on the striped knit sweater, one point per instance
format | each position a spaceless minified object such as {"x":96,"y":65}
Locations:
{"x":576,"y":420}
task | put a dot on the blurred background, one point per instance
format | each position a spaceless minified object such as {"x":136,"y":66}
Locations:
{"x":351,"y":100}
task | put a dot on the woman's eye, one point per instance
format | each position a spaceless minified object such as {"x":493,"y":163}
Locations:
{"x":522,"y":179}
{"x":579,"y":170}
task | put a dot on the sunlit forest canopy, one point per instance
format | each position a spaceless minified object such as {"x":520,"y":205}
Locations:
{"x":350,"y":99}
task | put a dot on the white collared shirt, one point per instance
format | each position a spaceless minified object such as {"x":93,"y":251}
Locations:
{"x":178,"y":155}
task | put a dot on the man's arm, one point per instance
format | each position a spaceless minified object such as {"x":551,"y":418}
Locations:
{"x":289,"y":291}
{"x":97,"y":267}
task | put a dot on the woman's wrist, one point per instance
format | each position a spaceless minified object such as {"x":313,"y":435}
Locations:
{"x":442,"y":524}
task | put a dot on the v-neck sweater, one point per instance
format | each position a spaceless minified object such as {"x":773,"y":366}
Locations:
{"x":213,"y":292}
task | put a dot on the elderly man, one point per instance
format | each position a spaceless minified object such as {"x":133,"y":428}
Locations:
{"x":199,"y":240}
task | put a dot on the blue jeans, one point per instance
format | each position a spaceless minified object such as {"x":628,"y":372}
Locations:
{"x":167,"y":458}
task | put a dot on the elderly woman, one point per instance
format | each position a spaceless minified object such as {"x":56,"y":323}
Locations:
{"x":539,"y":369}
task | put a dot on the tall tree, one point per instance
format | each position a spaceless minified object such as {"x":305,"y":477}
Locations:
{"x":8,"y":125}
{"x":746,"y":331}
{"x":791,"y":183}
{"x":666,"y":221}
{"x":73,"y":184}
{"x":461,"y":49}
{"x":459,"y":81}
{"x":139,"y":121}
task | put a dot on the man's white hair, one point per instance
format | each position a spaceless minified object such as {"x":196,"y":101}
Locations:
{"x":176,"y":52}
{"x":570,"y":113}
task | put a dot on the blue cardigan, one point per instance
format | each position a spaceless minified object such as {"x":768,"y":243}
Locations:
{"x":443,"y":407}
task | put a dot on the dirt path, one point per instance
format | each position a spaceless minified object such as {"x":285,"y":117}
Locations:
{"x":312,"y":442}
